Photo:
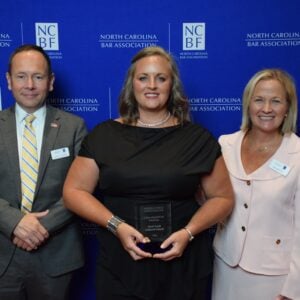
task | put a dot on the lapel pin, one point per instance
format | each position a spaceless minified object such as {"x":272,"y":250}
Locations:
{"x":54,"y":125}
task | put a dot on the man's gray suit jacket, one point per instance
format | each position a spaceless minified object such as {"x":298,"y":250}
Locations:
{"x":62,"y":252}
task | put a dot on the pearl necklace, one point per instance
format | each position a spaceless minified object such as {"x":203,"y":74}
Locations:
{"x":164,"y":120}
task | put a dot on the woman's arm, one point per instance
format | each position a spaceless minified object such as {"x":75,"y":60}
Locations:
{"x":217,"y":190}
{"x":80,"y":183}
{"x":219,"y":203}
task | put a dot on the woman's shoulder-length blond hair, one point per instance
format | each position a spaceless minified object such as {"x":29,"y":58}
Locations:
{"x":290,"y":122}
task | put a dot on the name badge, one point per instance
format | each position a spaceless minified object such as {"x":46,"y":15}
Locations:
{"x":279,"y":167}
{"x":60,"y":153}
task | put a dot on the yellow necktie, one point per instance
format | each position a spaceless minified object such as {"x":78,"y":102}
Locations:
{"x":29,"y":165}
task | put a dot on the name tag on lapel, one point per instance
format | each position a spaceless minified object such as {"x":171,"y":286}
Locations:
{"x":60,"y":153}
{"x":279,"y":167}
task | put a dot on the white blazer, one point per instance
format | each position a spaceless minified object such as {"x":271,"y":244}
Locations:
{"x":262,"y":235}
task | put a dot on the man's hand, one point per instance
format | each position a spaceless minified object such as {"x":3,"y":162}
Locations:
{"x":29,"y":234}
{"x":23,"y":245}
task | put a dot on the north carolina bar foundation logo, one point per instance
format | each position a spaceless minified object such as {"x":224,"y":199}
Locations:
{"x":46,"y":35}
{"x":193,"y":36}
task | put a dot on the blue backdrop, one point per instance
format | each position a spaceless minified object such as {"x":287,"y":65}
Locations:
{"x":218,"y":46}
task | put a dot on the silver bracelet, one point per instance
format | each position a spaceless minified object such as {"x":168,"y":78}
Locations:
{"x":191,"y":237}
{"x":113,"y":223}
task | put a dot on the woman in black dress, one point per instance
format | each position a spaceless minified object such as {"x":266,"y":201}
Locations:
{"x":148,"y":166}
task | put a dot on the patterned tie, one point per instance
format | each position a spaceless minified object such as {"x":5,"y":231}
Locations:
{"x":29,"y":165}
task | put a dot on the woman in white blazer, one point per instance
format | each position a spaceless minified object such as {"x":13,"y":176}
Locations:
{"x":258,"y":247}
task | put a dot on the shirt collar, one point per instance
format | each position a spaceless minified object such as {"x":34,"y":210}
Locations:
{"x":21,"y":113}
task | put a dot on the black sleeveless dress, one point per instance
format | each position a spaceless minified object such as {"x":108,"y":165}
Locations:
{"x":153,"y":164}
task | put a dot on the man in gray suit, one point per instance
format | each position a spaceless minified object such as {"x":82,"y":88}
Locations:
{"x":40,"y":245}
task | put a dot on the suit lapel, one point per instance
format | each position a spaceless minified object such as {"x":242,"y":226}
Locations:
{"x":10,"y":142}
{"x":284,"y":154}
{"x":51,"y":130}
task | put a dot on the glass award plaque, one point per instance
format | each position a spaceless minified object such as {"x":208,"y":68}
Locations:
{"x":153,"y":219}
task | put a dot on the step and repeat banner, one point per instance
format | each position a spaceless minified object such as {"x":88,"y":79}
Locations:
{"x":218,"y":46}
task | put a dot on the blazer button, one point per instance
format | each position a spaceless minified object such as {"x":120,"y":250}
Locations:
{"x":248,"y":182}
{"x":245,"y":205}
{"x":243,"y":228}
{"x":278,"y":241}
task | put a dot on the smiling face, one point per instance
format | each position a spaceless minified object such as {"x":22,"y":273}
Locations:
{"x":152,"y":82}
{"x":268,"y":106}
{"x":29,"y":80}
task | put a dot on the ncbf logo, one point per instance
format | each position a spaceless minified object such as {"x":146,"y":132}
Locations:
{"x":46,"y":35}
{"x":193,"y":36}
